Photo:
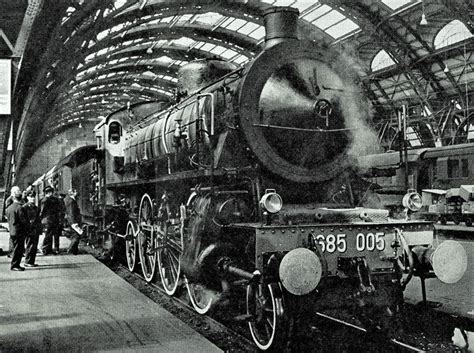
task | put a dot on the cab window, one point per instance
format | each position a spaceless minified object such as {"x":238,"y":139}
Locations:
{"x":115,"y":132}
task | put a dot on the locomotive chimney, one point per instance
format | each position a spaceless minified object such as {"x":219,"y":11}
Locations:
{"x":281,"y":24}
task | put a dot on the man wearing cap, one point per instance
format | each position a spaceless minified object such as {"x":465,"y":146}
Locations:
{"x":73,"y":215}
{"x":49,"y":213}
{"x":17,"y":228}
{"x":34,"y":228}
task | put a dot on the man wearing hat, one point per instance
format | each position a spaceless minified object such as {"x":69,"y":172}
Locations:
{"x":50,"y":211}
{"x":34,"y":228}
{"x":17,"y":228}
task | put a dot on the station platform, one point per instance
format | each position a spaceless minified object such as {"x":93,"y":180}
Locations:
{"x":76,"y":304}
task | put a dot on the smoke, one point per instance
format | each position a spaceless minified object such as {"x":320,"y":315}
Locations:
{"x":355,"y":106}
{"x":278,"y":95}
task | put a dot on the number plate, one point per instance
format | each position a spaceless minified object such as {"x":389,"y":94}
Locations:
{"x":330,"y":243}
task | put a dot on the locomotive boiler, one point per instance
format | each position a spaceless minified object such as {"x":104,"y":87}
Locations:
{"x":247,"y":182}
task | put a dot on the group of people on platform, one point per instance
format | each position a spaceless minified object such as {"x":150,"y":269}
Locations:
{"x":27,"y":222}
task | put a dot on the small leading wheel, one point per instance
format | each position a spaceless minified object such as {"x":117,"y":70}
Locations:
{"x":170,"y":248}
{"x":468,"y":221}
{"x":265,"y":306}
{"x":146,"y":238}
{"x":131,"y":247}
{"x":200,"y":297}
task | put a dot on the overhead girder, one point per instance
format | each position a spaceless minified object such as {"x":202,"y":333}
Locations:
{"x":398,"y":47}
{"x":174,"y":53}
{"x":99,"y":107}
{"x":199,"y":32}
{"x":250,"y":10}
{"x":72,"y":47}
{"x":436,"y":84}
{"x":166,"y":33}
{"x":132,"y":91}
{"x":136,"y":56}
{"x":404,"y":57}
{"x":124,"y":83}
{"x":157,"y":68}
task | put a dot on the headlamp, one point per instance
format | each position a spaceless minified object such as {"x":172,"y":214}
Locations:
{"x":412,"y":201}
{"x":271,"y":201}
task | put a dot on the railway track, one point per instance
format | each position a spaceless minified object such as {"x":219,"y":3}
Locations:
{"x":394,"y":342}
{"x":230,"y":340}
{"x":330,"y":333}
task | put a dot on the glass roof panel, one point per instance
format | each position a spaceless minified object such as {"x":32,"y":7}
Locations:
{"x":166,"y":19}
{"x":455,"y":31}
{"x":119,"y":3}
{"x":396,"y":4}
{"x":316,"y":13}
{"x":381,"y":61}
{"x":185,"y":17}
{"x":210,"y":18}
{"x":258,"y":34}
{"x":342,"y":28}
{"x":303,"y":5}
{"x":208,"y":47}
{"x":283,"y":2}
{"x":248,"y":28}
{"x":240,"y":59}
{"x":218,"y":50}
{"x":164,"y":59}
{"x":229,"y":53}
{"x":183,"y":41}
{"x":102,"y":34}
{"x":329,"y":19}
{"x":235,"y":24}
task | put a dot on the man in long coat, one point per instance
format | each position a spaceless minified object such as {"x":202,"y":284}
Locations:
{"x":50,"y":211}
{"x":17,"y":227}
{"x":34,"y":228}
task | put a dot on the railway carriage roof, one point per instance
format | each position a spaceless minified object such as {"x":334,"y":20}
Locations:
{"x":453,"y":150}
{"x":388,"y":159}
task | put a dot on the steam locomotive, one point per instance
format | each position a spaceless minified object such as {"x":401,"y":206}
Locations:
{"x":247,"y":183}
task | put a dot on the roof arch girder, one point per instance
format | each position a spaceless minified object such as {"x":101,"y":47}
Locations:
{"x":369,"y":17}
{"x":198,"y":32}
{"x":124,"y":84}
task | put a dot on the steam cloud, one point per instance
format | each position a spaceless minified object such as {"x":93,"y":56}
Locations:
{"x":356,"y":108}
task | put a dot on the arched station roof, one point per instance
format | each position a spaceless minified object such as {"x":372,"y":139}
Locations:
{"x":87,"y":58}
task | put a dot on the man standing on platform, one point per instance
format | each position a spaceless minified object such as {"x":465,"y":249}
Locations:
{"x":73,"y":215}
{"x":14,"y":191}
{"x":17,"y":226}
{"x":49,"y":214}
{"x":31,"y":214}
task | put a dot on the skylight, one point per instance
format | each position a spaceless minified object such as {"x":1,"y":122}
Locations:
{"x":396,"y":4}
{"x":329,"y":19}
{"x":454,"y":32}
{"x":317,"y":12}
{"x":381,"y":61}
{"x":342,"y":28}
{"x":209,"y":18}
